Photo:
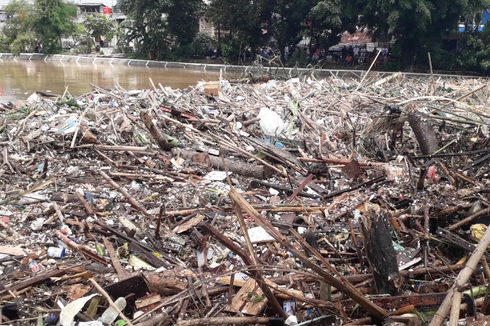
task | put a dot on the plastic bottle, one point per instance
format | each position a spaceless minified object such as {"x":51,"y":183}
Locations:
{"x":111,"y":314}
{"x":34,"y":266}
{"x":56,"y":252}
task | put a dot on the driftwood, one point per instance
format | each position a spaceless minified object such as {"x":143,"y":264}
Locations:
{"x":167,"y":282}
{"x":155,"y":132}
{"x":339,"y":150}
{"x":423,"y":130}
{"x":225,"y":321}
{"x":245,"y":169}
{"x":379,"y":247}
{"x":342,"y":285}
{"x":248,"y":260}
{"x":462,"y":278}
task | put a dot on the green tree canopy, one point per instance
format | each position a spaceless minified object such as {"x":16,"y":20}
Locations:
{"x":157,"y":26}
{"x":416,"y":24}
{"x":45,"y":20}
{"x":52,"y":20}
{"x":98,"y":25}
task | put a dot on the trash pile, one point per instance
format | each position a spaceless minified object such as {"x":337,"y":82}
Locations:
{"x":298,"y":202}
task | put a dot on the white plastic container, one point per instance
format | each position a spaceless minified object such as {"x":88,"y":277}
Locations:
{"x":111,"y":314}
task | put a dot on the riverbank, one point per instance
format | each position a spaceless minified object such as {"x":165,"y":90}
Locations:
{"x":232,"y":70}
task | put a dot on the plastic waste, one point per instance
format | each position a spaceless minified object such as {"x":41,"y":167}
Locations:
{"x":11,"y":311}
{"x":37,"y":224}
{"x":111,"y":314}
{"x":271,"y":123}
{"x":289,"y":307}
{"x":51,"y":320}
{"x":292,"y":320}
{"x":56,"y":252}
{"x":70,"y":310}
{"x":34,"y":266}
{"x":278,"y":144}
{"x":65,"y":229}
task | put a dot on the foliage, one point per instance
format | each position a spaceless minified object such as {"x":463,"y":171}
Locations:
{"x":289,"y":22}
{"x":230,"y":47}
{"x":52,"y":20}
{"x":21,"y":21}
{"x":158,"y":26}
{"x":183,"y":18}
{"x":329,"y":19}
{"x":99,"y":25}
{"x":475,"y":51}
{"x":22,"y":42}
{"x":196,"y":49}
{"x":415,"y":24}
{"x":243,"y":21}
{"x":45,"y":21}
{"x":4,"y":44}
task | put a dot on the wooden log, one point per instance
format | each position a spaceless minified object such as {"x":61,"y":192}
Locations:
{"x":245,"y":169}
{"x":169,"y":282}
{"x":423,"y":130}
{"x":380,"y":252}
{"x":115,"y":260}
{"x":155,"y":132}
{"x":457,"y":241}
{"x":224,"y":321}
{"x":250,"y":300}
{"x":429,"y":300}
{"x":158,"y":320}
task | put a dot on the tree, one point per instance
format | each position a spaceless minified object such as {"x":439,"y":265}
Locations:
{"x":99,"y":25}
{"x":45,"y":20}
{"x":243,"y":21}
{"x":289,"y":21}
{"x":328,"y":19}
{"x":474,"y":53}
{"x":159,"y":25}
{"x":183,"y":19}
{"x":18,"y":29}
{"x":415,"y":24}
{"x":52,"y":20}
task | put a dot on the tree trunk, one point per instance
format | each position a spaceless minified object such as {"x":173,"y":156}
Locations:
{"x":281,"y":50}
{"x":409,"y":47}
{"x":218,"y":51}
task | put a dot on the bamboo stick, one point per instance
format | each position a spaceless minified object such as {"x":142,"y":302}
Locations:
{"x":462,"y":278}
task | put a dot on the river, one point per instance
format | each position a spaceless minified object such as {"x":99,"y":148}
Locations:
{"x":19,"y":79}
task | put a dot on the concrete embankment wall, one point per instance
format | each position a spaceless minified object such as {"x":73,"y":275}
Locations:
{"x":125,"y":61}
{"x":286,"y":71}
{"x":290,"y":72}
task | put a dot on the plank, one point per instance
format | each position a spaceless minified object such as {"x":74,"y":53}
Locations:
{"x":115,"y":260}
{"x":250,"y":300}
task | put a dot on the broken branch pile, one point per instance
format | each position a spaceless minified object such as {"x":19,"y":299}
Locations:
{"x":295,"y":202}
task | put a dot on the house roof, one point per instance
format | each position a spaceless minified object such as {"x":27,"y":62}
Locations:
{"x":359,"y":37}
{"x":94,"y":3}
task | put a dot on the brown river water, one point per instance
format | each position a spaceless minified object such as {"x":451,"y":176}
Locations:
{"x":19,"y":79}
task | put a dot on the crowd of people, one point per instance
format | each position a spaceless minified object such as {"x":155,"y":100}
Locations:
{"x":348,"y":55}
{"x":355,"y":55}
